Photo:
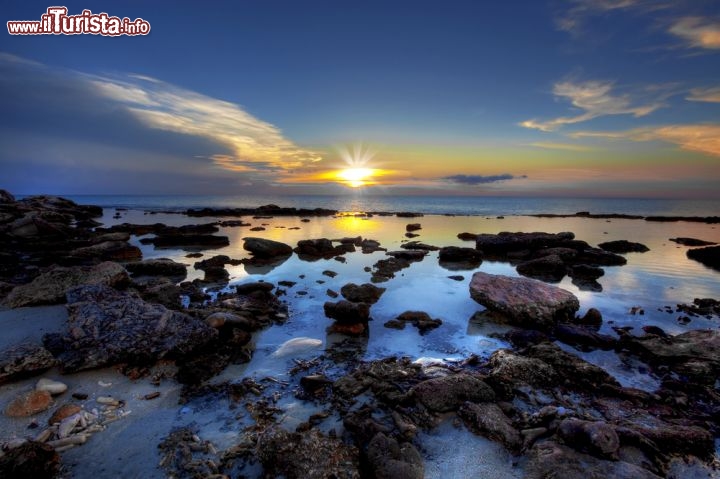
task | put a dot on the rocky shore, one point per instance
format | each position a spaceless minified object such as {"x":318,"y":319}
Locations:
{"x":553,"y":412}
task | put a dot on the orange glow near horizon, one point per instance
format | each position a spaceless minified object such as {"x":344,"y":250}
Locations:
{"x":357,"y":177}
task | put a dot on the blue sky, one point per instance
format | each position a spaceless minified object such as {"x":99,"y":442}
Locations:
{"x":559,"y":98}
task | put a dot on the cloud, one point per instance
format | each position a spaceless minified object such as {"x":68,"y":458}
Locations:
{"x":561,"y":146}
{"x":594,"y":99}
{"x":697,"y":32}
{"x":573,"y":19}
{"x":479,"y":179}
{"x":711,"y":95}
{"x":700,"y":138}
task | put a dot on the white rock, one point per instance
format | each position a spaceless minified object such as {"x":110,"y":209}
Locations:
{"x":296,"y":346}
{"x":51,"y":386}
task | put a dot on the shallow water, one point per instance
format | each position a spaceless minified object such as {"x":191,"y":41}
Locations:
{"x":661,"y":277}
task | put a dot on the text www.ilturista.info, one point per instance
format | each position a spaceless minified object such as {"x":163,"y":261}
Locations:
{"x":57,"y":22}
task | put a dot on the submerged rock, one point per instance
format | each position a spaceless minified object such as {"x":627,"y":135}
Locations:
{"x":106,"y":327}
{"x":524,"y":302}
{"x":624,"y":246}
{"x":692,"y":241}
{"x":51,"y":286}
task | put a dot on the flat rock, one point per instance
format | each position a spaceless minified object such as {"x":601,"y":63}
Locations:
{"x":157,"y":267}
{"x":692,"y":242}
{"x":28,"y":404}
{"x":51,"y":286}
{"x":106,"y":326}
{"x":623,"y":246}
{"x":523,"y":301}
{"x":266,"y":248}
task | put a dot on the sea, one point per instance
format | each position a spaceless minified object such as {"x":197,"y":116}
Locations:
{"x":457,"y":205}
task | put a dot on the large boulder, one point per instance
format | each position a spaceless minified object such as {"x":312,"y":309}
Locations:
{"x":450,"y":392}
{"x":265,"y":248}
{"x":106,"y":326}
{"x":523,"y":301}
{"x":51,"y":286}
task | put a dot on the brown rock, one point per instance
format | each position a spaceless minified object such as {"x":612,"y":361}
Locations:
{"x":66,"y":410}
{"x":29,"y":403}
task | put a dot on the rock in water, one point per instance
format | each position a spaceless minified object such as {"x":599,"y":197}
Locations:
{"x":623,"y":246}
{"x":106,"y":326}
{"x":365,"y":293}
{"x":50,"y":287}
{"x":296,"y":346}
{"x":265,"y":248}
{"x":523,"y":301}
{"x":709,"y":256}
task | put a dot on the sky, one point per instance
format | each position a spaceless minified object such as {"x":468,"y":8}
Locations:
{"x":559,"y":98}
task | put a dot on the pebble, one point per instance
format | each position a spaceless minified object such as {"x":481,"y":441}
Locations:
{"x":64,"y":411}
{"x":107,"y":400}
{"x":51,"y":386}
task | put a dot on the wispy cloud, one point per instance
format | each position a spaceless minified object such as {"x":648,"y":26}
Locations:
{"x":168,"y":107}
{"x":594,"y":99}
{"x":711,"y":95}
{"x":479,"y":179}
{"x":701,"y":138}
{"x":698,"y":32}
{"x":573,"y":19}
{"x":550,"y":145}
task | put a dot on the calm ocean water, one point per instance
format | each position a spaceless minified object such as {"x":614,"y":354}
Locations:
{"x":422,"y":204}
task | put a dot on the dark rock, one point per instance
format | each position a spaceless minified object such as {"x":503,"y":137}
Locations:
{"x":265,"y":210}
{"x":25,"y":359}
{"x":309,"y":455}
{"x":412,"y":255}
{"x":347,"y":312}
{"x":407,"y":214}
{"x":51,"y":286}
{"x":594,"y":437}
{"x":550,"y":459}
{"x":6,"y":197}
{"x":586,"y":272}
{"x":249,"y":288}
{"x":30,"y":460}
{"x":266,"y":248}
{"x":521,"y":338}
{"x":216,"y":274}
{"x":217,"y":261}
{"x":525,"y":302}
{"x":575,"y":372}
{"x":467,"y":236}
{"x":504,"y":242}
{"x":450,"y":392}
{"x":584,"y":338}
{"x":390,"y":460}
{"x":370,"y":246}
{"x":411,"y":235}
{"x":163,"y":291}
{"x":420,"y":320}
{"x":456,"y":277}
{"x":108,"y":251}
{"x":317,"y":248}
{"x":394,"y":324}
{"x":413,"y":227}
{"x":106,"y":327}
{"x":547,"y":268}
{"x":692,"y":242}
{"x":157,"y":267}
{"x":190,"y":241}
{"x":454,"y":258}
{"x":599,"y":257}
{"x":709,"y":256}
{"x":623,"y":246}
{"x":593,"y":317}
{"x":365,"y":293}
{"x":385,"y":269}
{"x":315,"y":382}
{"x":522,"y":370}
{"x":490,"y":421}
{"x":329,"y":273}
{"x":419,"y":245}
{"x":678,"y":439}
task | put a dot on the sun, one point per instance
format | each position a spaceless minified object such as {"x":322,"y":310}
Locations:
{"x":356,"y":177}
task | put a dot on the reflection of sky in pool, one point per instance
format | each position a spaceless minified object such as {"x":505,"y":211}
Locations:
{"x":661,"y":277}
